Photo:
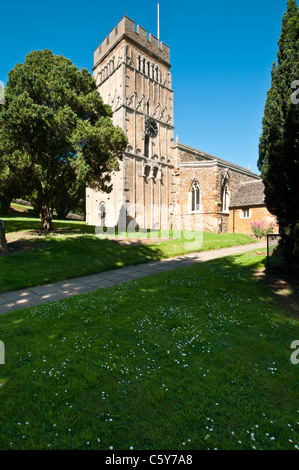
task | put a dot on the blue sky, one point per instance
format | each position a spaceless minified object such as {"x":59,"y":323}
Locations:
{"x":221,"y":55}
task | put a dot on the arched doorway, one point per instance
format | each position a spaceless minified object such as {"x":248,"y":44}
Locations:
{"x":101,"y":211}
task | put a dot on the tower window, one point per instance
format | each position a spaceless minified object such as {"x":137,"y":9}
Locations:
{"x":146,"y":146}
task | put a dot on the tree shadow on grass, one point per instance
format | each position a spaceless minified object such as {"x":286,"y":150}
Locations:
{"x":271,"y":287}
{"x":66,"y":258}
{"x":283,"y":283}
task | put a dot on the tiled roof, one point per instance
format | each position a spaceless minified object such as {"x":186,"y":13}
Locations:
{"x":250,"y":193}
{"x":201,"y":157}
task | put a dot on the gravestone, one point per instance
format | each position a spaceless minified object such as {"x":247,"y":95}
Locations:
{"x":3,"y":244}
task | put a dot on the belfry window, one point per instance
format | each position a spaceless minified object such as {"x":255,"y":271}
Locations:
{"x":157,"y":74}
{"x":195,"y":197}
{"x":146,"y":146}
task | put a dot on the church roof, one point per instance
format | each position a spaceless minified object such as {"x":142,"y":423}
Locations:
{"x":201,"y":158}
{"x":250,"y":193}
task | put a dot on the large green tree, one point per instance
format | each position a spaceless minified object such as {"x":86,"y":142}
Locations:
{"x":279,"y":141}
{"x":14,"y":173}
{"x":54,"y":120}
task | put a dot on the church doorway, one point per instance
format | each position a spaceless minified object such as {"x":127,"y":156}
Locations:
{"x":102,"y":214}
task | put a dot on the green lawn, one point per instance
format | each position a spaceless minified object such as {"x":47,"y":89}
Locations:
{"x":196,"y":358}
{"x":78,"y":252}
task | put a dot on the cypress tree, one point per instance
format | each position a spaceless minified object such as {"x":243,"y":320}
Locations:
{"x":279,"y":142}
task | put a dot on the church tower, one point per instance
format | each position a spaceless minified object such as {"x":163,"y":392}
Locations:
{"x":132,"y":72}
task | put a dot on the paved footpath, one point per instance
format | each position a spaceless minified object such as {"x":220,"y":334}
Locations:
{"x":30,"y":297}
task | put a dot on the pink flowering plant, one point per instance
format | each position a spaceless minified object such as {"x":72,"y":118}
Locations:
{"x":260,"y":229}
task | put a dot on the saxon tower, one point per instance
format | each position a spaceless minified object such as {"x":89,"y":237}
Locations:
{"x":132,"y":72}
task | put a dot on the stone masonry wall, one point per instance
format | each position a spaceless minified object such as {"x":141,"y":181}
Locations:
{"x":257,"y":214}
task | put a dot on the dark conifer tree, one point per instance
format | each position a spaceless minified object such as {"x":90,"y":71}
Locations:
{"x":279,"y":142}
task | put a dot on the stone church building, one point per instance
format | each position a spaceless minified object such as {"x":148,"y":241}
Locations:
{"x":161,"y":183}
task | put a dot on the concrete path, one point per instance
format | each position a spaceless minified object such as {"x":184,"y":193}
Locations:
{"x":30,"y":297}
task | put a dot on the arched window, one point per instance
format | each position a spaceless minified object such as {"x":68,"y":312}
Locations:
{"x":102,"y":213}
{"x":225,"y":198}
{"x":157,"y":74}
{"x":152,"y":71}
{"x":146,"y":146}
{"x":99,"y":78}
{"x":224,"y":194}
{"x":195,"y":197}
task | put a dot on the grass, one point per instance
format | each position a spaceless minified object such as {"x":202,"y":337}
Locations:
{"x":196,"y":358}
{"x":77,"y":252}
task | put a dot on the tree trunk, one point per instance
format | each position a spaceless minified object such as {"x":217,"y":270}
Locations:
{"x":5,"y":205}
{"x":46,"y":218}
{"x":3,"y":244}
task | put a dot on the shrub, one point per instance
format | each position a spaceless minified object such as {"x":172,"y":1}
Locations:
{"x":260,"y":229}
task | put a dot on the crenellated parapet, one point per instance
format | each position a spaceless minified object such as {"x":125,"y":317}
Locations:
{"x":126,"y":28}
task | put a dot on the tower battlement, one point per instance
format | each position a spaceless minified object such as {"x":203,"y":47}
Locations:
{"x":126,"y":28}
